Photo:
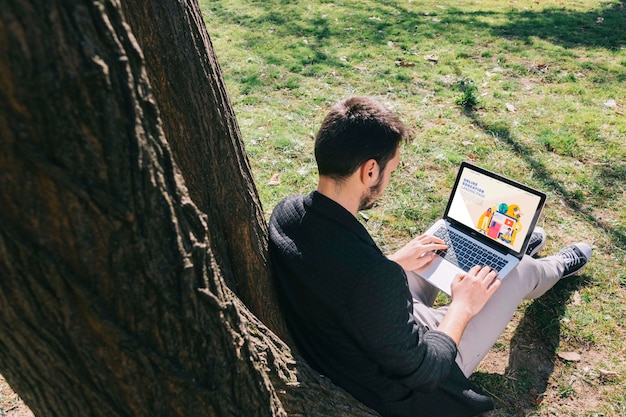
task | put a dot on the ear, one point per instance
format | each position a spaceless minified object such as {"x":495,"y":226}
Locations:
{"x":369,"y":172}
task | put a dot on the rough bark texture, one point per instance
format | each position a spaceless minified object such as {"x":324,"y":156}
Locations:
{"x":112,"y":302}
{"x":206,"y":144}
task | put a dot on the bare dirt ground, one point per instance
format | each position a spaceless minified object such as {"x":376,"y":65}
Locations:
{"x":10,"y":403}
{"x":527,"y":374}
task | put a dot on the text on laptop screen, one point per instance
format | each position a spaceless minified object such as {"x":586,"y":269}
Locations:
{"x":494,"y":208}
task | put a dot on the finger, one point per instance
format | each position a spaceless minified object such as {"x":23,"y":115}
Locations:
{"x":424,"y":261}
{"x":492,"y":273}
{"x":484,"y":271}
{"x":434,"y":239}
{"x":426,"y":255}
{"x":422,"y":238}
{"x":490,"y":278}
{"x":487,"y":272}
{"x":474,"y":270}
{"x":494,"y":285}
{"x":434,"y":246}
{"x":429,"y":239}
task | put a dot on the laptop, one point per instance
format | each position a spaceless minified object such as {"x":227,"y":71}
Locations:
{"x":488,"y":221}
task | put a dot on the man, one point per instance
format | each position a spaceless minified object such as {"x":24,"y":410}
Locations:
{"x":349,"y":307}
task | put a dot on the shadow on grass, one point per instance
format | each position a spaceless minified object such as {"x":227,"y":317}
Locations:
{"x":375,"y":24}
{"x":607,"y":174}
{"x":603,"y":27}
{"x":533,"y":346}
{"x":532,"y":353}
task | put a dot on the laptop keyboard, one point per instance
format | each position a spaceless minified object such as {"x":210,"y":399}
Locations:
{"x":464,"y":253}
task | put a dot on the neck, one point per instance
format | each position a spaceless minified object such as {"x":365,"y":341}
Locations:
{"x":344,"y":193}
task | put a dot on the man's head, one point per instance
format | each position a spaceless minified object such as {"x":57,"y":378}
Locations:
{"x":357,"y":133}
{"x":354,"y":131}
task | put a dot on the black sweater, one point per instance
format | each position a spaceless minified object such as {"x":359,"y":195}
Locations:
{"x":350,"y":312}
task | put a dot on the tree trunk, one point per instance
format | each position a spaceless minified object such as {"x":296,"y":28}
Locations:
{"x":202,"y":131}
{"x":113,"y":301}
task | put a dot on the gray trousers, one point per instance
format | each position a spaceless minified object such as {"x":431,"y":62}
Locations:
{"x":531,"y":279}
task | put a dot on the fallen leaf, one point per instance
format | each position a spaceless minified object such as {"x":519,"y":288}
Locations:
{"x":539,"y":68}
{"x":510,"y":107}
{"x":577,"y":299}
{"x":535,"y":397}
{"x":467,"y":143}
{"x":431,"y":58}
{"x":404,"y":63}
{"x":390,"y":43}
{"x":605,"y":373}
{"x":569,"y":356}
{"x":275,"y":180}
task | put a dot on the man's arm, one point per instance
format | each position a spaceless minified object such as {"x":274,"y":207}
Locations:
{"x":470,"y":293}
{"x":380,"y":308}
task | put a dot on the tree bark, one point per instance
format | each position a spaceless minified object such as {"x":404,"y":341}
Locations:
{"x":201,"y":128}
{"x":112,"y":300}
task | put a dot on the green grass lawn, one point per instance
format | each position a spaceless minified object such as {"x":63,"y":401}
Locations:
{"x":534,"y":89}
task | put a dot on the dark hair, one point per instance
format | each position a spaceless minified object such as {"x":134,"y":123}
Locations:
{"x":354,"y":131}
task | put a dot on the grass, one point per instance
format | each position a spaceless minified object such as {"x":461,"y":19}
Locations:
{"x":535,"y":90}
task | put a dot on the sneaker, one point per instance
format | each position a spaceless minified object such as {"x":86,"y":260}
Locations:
{"x":575,"y":257}
{"x":537,"y":241}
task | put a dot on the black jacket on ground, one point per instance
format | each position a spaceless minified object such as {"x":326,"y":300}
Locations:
{"x":350,"y":312}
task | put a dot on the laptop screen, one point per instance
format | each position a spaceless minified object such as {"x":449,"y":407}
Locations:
{"x":498,"y":208}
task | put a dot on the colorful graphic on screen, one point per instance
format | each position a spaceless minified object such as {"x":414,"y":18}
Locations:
{"x":501,"y":222}
{"x":502,"y":211}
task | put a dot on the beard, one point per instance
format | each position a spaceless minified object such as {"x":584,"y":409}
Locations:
{"x":369,"y":198}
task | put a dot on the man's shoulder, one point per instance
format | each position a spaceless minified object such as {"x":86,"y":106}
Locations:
{"x":289,"y":207}
{"x":291,"y":202}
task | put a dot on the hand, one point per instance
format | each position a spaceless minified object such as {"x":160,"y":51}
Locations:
{"x":470,"y":293}
{"x":418,"y":253}
{"x":472,"y":290}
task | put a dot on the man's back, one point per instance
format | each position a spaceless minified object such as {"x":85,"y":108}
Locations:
{"x":350,"y":313}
